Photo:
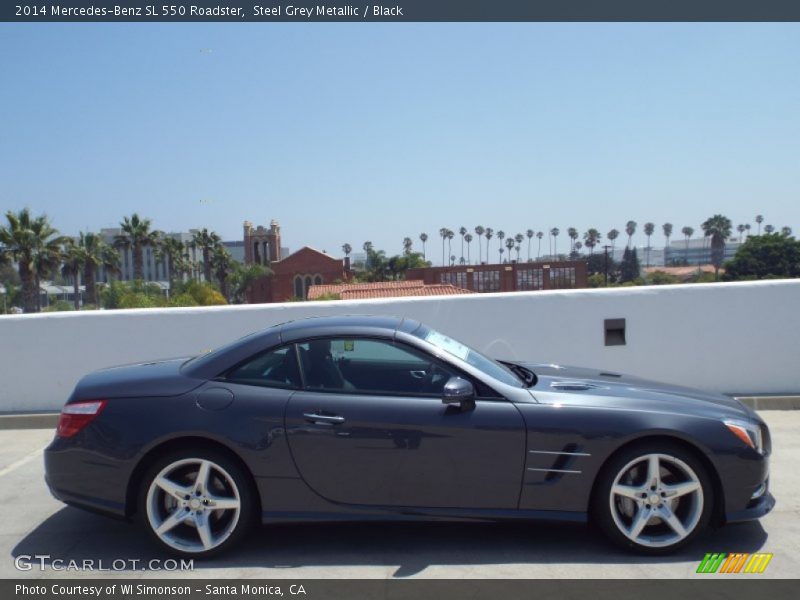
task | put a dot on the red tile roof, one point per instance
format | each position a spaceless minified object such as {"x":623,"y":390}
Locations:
{"x":384,"y":289}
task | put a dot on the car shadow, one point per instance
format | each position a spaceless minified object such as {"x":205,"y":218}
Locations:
{"x":75,"y":535}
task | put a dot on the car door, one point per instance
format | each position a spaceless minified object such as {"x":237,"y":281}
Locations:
{"x":369,"y":428}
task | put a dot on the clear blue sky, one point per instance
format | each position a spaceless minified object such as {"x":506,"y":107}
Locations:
{"x":349,"y":132}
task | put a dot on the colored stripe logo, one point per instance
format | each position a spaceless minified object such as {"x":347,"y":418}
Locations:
{"x":735,"y":562}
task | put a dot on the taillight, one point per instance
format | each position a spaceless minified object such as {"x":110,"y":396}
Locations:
{"x":78,"y":415}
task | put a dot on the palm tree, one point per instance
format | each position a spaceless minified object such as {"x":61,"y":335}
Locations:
{"x":98,"y":254}
{"x":462,"y":232}
{"x":688,"y":232}
{"x":759,"y":220}
{"x":612,"y":236}
{"x":769,"y":228}
{"x":468,"y":239}
{"x":501,"y":250}
{"x":170,"y":250}
{"x":787,"y":231}
{"x":71,"y":269}
{"x":518,"y":238}
{"x":423,"y":237}
{"x":479,"y":232}
{"x":443,"y":232}
{"x":407,"y":245}
{"x":630,"y":229}
{"x":450,"y":236}
{"x":529,"y":234}
{"x":489,"y":233}
{"x":36,"y":248}
{"x":539,"y":236}
{"x":573,"y":236}
{"x":740,"y":229}
{"x":510,"y":246}
{"x":554,"y":232}
{"x":747,"y":228}
{"x":222,"y":264}
{"x":667,"y":229}
{"x":367,"y":248}
{"x":591,"y":238}
{"x":718,"y":228}
{"x":501,"y":235}
{"x":136,"y":235}
{"x":207,"y":241}
{"x":347,"y":249}
{"x":649,"y":229}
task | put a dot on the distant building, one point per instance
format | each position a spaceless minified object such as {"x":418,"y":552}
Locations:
{"x":153,"y":270}
{"x":236,"y":250}
{"x":507,"y":277}
{"x":696,"y":252}
{"x":293,"y":276}
{"x":383,"y":289}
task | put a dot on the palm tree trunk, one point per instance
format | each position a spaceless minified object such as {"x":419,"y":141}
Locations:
{"x":76,"y":289}
{"x":138,"y":261}
{"x":206,"y":264}
{"x":90,"y":279}
{"x":29,"y":295}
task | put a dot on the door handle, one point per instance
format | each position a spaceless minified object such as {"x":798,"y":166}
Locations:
{"x":324,"y":419}
{"x":419,"y":374}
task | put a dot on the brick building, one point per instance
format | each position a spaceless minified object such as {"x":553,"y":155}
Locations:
{"x":261,"y":245}
{"x":294,"y":275}
{"x":507,"y":277}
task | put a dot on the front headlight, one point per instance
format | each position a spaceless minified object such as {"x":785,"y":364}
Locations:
{"x":748,"y":432}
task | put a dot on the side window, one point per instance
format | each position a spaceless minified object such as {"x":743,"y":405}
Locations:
{"x":274,"y":368}
{"x":371,"y":367}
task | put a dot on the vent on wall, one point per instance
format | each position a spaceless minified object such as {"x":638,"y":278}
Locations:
{"x":615,"y":332}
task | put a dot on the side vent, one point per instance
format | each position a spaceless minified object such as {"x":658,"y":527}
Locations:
{"x":572,"y":386}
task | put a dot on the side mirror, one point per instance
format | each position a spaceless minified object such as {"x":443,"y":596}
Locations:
{"x":458,"y":391}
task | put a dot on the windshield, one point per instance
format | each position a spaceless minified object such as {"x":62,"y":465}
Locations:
{"x":469,"y":355}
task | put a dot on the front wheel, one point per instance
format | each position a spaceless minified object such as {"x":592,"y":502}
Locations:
{"x":653,"y":498}
{"x":196,"y":503}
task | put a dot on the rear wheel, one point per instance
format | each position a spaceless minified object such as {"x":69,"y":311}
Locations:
{"x":653,"y":498}
{"x":196,"y":503}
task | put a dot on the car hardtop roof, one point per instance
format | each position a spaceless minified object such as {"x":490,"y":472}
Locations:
{"x":345,"y":325}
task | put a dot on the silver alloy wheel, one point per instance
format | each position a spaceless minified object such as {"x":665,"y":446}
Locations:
{"x":656,"y":500}
{"x":193,"y":505}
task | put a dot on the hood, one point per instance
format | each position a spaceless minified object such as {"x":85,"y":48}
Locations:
{"x":157,"y":378}
{"x":563,"y":384}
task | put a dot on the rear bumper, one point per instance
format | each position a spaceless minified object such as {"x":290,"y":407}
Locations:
{"x":78,"y":478}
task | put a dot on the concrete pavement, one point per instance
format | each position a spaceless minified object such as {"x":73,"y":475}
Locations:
{"x":35,"y":524}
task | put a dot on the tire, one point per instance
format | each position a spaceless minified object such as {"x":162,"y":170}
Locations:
{"x":179,"y":513}
{"x":648,"y":514}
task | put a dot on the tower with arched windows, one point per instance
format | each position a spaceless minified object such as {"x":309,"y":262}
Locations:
{"x":262,"y":246}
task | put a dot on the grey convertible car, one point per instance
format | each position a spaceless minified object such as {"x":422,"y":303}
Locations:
{"x":385,"y":418}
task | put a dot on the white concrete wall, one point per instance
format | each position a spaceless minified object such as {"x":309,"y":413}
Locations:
{"x":735,"y":338}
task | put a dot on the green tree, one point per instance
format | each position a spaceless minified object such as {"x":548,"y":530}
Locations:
{"x":244,"y":277}
{"x":529,"y":234}
{"x":591,"y":238}
{"x":347,"y":249}
{"x":629,"y":267}
{"x":479,"y":232}
{"x":97,"y":254}
{"x":554,"y":232}
{"x":630,"y":229}
{"x":136,"y":236}
{"x":767,"y":256}
{"x":35,"y":246}
{"x":206,"y":240}
{"x":423,"y":237}
{"x":539,"y":236}
{"x":718,"y":228}
{"x":572,"y":233}
{"x":612,"y":237}
{"x":687,"y":232}
{"x":649,"y":229}
{"x":488,"y":234}
{"x":221,"y":265}
{"x":171,"y":250}
{"x":462,"y":231}
{"x":759,"y":221}
{"x":71,"y":268}
{"x":468,"y":239}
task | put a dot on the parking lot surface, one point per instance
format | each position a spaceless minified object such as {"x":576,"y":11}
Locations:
{"x":35,"y":525}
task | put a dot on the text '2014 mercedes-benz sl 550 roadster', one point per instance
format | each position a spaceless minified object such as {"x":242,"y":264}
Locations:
{"x":385,"y":418}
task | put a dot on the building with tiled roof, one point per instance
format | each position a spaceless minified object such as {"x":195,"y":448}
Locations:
{"x":383,"y":289}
